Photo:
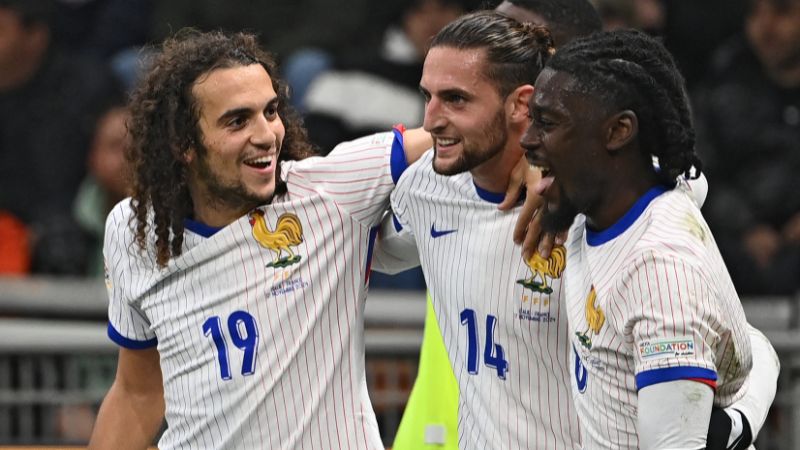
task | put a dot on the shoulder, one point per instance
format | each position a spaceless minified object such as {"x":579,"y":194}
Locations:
{"x":421,"y":168}
{"x":675,"y":227}
{"x":120,"y":235}
{"x":121,"y":218}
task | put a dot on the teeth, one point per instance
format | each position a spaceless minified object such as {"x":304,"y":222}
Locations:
{"x":445,"y":142}
{"x":261,"y":160}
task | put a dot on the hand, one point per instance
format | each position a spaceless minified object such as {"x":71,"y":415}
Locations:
{"x":762,"y":243}
{"x":521,"y":176}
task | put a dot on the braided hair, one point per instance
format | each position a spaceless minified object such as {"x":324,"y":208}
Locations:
{"x":515,"y":52}
{"x":631,"y":70}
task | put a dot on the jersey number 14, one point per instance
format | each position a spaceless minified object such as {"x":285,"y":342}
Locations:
{"x":493,"y":353}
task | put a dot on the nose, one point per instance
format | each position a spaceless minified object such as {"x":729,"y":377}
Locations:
{"x":266,"y":131}
{"x":434,"y":119}
{"x":530,"y":138}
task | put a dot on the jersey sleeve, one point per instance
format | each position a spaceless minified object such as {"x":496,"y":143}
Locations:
{"x":400,"y":199}
{"x":358,"y":175}
{"x":673,"y":323}
{"x":395,"y":250}
{"x":128,"y":326}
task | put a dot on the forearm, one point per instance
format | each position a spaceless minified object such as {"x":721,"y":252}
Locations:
{"x":761,"y":384}
{"x":674,"y":415}
{"x":127,"y":420}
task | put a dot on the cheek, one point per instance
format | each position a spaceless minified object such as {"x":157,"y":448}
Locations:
{"x":279,"y":130}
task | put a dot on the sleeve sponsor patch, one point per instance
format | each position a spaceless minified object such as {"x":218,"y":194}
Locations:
{"x":666,"y":348}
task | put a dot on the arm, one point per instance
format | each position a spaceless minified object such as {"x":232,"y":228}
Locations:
{"x":133,"y":409}
{"x":395,"y":249}
{"x":416,"y":142}
{"x":737,"y":426}
{"x":682,"y":405}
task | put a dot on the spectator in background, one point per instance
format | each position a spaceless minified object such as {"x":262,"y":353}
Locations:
{"x":685,"y":26}
{"x":282,"y":25}
{"x":749,"y":117}
{"x":369,"y":89}
{"x":107,"y":183}
{"x":102,"y":28}
{"x":49,"y":104}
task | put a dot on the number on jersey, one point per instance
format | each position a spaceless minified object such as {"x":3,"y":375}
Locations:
{"x":244,"y":335}
{"x":493,"y":354}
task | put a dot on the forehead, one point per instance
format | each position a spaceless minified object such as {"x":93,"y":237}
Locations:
{"x":448,"y":68}
{"x":559,"y":93}
{"x":553,"y":90}
{"x":235,"y":87}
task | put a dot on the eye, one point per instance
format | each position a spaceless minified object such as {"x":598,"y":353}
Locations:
{"x":271,"y":111}
{"x":237,"y":122}
{"x":543,"y":123}
{"x":456,"y":99}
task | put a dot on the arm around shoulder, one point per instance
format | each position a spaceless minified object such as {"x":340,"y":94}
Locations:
{"x":415,"y":142}
{"x":133,"y":410}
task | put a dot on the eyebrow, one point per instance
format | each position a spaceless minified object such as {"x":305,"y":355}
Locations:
{"x":446,"y":92}
{"x":242,"y":111}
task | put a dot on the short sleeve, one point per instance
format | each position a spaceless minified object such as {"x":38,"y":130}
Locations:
{"x":673,"y":321}
{"x":395,"y":249}
{"x":128,"y":326}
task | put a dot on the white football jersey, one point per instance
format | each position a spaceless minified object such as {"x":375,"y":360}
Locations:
{"x":649,"y":301}
{"x":504,"y":329}
{"x":259,"y":325}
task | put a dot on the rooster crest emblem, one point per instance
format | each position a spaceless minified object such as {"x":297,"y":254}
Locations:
{"x":595,"y":318}
{"x":287,"y":234}
{"x":542,"y":268}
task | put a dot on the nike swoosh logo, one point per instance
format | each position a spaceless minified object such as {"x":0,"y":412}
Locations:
{"x":436,"y":233}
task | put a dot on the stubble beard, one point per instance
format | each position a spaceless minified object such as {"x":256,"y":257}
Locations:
{"x":472,"y":156}
{"x":560,"y":217}
{"x":229,"y":195}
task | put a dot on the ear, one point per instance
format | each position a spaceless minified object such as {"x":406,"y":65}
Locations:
{"x":517,"y":103}
{"x":186,"y":157}
{"x":621,"y":129}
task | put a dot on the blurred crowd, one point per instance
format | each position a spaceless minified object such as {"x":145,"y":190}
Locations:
{"x":66,"y":67}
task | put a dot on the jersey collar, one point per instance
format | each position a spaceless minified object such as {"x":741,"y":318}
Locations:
{"x":595,"y":238}
{"x":494,"y":197}
{"x":200,"y":228}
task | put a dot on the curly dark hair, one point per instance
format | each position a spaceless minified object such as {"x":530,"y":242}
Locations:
{"x":164,"y":127}
{"x":516,"y":52}
{"x":628,"y":69}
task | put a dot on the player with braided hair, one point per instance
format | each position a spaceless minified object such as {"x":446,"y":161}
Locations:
{"x":657,"y":329}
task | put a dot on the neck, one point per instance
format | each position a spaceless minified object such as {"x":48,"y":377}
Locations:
{"x":494,"y":174}
{"x":214,"y":212}
{"x":617,"y":199}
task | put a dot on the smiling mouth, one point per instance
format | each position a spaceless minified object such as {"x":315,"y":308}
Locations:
{"x":445,"y":142}
{"x":262,"y":162}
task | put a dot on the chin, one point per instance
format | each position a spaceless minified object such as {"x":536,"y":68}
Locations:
{"x":449,"y":167}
